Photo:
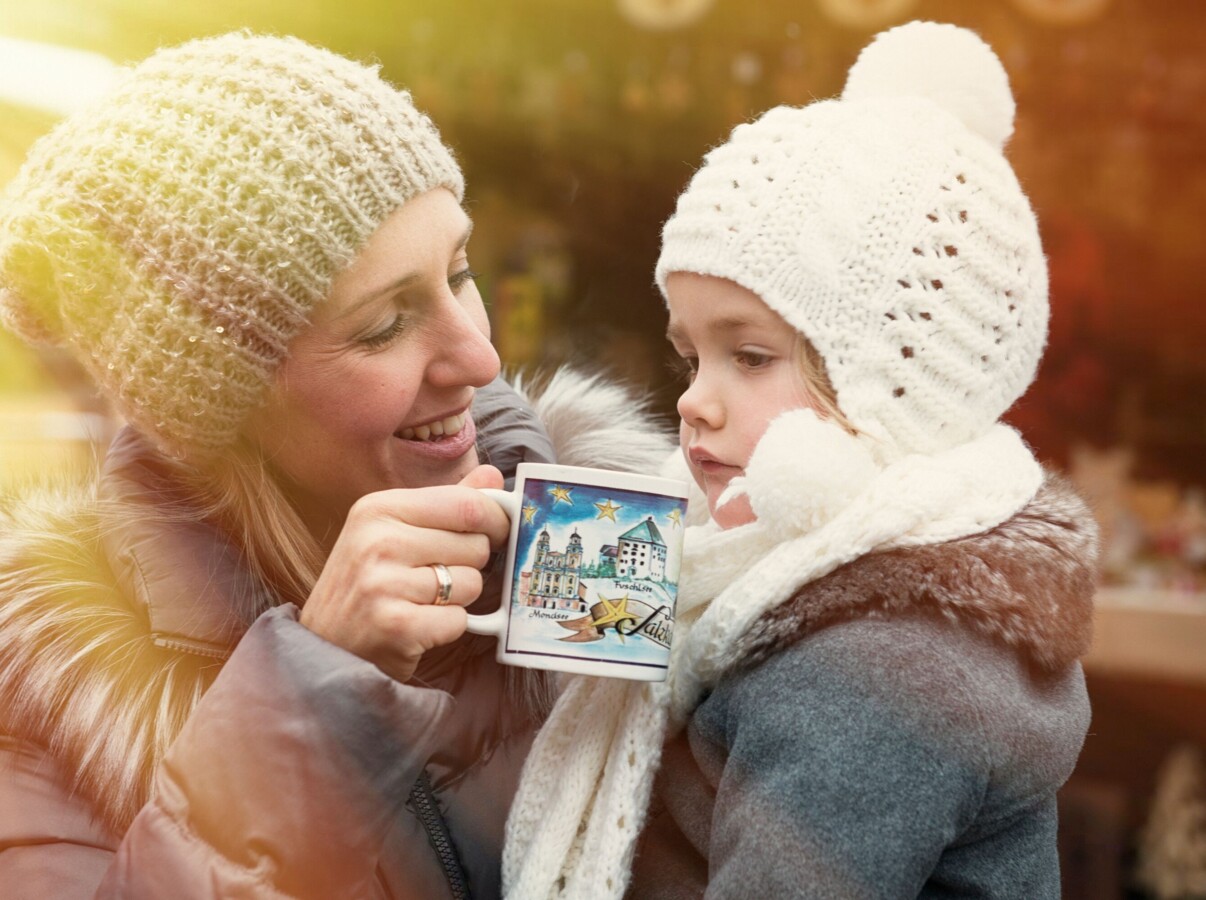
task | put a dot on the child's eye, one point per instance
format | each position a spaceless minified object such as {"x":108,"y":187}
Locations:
{"x":683,"y":367}
{"x":751,"y":359}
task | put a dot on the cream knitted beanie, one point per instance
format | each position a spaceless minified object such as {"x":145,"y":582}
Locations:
{"x":176,"y":234}
{"x":888,"y":228}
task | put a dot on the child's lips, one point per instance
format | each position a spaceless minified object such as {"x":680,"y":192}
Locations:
{"x":718,"y":470}
{"x":709,"y":465}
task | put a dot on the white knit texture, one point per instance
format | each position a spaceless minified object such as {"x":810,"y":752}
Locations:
{"x":586,"y":784}
{"x":890,"y":232}
{"x":176,"y":234}
{"x":888,"y":228}
{"x":886,"y":68}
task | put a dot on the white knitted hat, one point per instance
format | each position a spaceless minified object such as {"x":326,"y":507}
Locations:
{"x":888,"y":228}
{"x":176,"y":235}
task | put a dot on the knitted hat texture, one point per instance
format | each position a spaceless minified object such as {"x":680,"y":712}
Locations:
{"x":889,"y":229}
{"x":176,"y":235}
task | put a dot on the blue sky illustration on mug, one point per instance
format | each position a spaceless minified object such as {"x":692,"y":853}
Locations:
{"x":599,"y":515}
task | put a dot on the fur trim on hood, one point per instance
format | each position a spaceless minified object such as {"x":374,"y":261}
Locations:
{"x":81,"y":673}
{"x":597,"y":423}
{"x":1028,"y":582}
{"x":113,"y":624}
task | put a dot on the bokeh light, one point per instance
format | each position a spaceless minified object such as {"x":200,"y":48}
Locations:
{"x":579,"y":121}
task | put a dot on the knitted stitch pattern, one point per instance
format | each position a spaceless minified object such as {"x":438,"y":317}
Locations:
{"x":176,"y":235}
{"x":888,"y":228}
{"x":586,"y":784}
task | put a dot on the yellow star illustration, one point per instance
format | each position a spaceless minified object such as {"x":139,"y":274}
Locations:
{"x":617,"y":612}
{"x":528,"y":512}
{"x":675,"y":516}
{"x":607,"y":510}
{"x":561,"y":494}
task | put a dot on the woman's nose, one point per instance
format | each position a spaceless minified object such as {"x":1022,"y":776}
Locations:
{"x":465,"y":354}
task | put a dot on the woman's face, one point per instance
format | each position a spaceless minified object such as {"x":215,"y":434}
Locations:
{"x":743,"y":368}
{"x":375,"y":393}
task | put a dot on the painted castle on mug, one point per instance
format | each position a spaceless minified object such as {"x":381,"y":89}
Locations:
{"x":595,"y":574}
{"x":558,"y":579}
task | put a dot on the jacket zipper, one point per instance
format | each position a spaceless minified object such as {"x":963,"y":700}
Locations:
{"x":187,"y":646}
{"x":422,"y":799}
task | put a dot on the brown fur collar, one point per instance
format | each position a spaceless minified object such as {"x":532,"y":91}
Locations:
{"x":80,"y":675}
{"x":118,"y":606}
{"x":1028,"y":583}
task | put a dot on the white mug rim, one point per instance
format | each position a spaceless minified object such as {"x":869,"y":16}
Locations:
{"x":595,"y":477}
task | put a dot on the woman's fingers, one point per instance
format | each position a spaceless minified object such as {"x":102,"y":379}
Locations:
{"x":464,"y":585}
{"x":403,"y":568}
{"x":403,"y":632}
{"x":457,"y":509}
{"x":483,"y":477}
{"x":425,"y":548}
{"x":370,"y":537}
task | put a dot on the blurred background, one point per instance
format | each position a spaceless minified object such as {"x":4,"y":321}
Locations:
{"x":579,"y":121}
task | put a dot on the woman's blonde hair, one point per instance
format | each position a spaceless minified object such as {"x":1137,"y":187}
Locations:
{"x":240,"y":494}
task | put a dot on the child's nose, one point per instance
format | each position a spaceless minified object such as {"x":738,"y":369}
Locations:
{"x":700,"y":403}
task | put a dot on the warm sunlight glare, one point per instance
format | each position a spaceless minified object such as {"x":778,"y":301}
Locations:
{"x":51,"y":78}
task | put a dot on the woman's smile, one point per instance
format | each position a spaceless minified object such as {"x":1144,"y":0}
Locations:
{"x":377,"y":393}
{"x":449,"y":438}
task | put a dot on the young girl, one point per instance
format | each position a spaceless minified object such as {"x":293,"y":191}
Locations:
{"x":875,"y":689}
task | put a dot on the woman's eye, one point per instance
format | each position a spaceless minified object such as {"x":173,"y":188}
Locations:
{"x":458,"y":280}
{"x":386,"y":335}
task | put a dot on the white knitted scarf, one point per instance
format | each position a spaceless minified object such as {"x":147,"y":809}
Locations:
{"x":821,"y":500}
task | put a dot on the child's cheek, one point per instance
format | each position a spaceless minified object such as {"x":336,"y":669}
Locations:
{"x":685,"y":433}
{"x":736,"y":512}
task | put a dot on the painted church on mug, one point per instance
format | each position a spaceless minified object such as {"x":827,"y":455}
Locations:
{"x":555,"y":579}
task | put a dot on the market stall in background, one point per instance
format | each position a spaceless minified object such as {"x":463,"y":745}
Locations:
{"x":579,"y":121}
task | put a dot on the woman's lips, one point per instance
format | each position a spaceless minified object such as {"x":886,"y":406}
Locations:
{"x":445,"y":427}
{"x":458,"y":436}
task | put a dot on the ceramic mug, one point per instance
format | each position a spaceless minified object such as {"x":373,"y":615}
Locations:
{"x":591,"y":571}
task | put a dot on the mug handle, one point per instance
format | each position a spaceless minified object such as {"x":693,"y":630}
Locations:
{"x":494,"y":623}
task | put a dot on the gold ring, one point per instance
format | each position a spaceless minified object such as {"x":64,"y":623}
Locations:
{"x":444,"y":592}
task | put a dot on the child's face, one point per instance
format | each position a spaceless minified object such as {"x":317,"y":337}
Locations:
{"x":744,"y":371}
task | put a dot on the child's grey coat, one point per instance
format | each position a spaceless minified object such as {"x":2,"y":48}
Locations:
{"x":900,"y":728}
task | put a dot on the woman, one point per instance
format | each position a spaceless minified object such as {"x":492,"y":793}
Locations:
{"x":235,"y":663}
{"x":875,"y":689}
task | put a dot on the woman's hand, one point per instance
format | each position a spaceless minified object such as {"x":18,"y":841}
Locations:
{"x":375,"y":596}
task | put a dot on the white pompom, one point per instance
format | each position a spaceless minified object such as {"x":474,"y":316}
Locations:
{"x":944,"y":63}
{"x":804,"y":471}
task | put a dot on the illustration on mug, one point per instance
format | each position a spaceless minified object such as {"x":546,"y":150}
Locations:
{"x":596,"y":573}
